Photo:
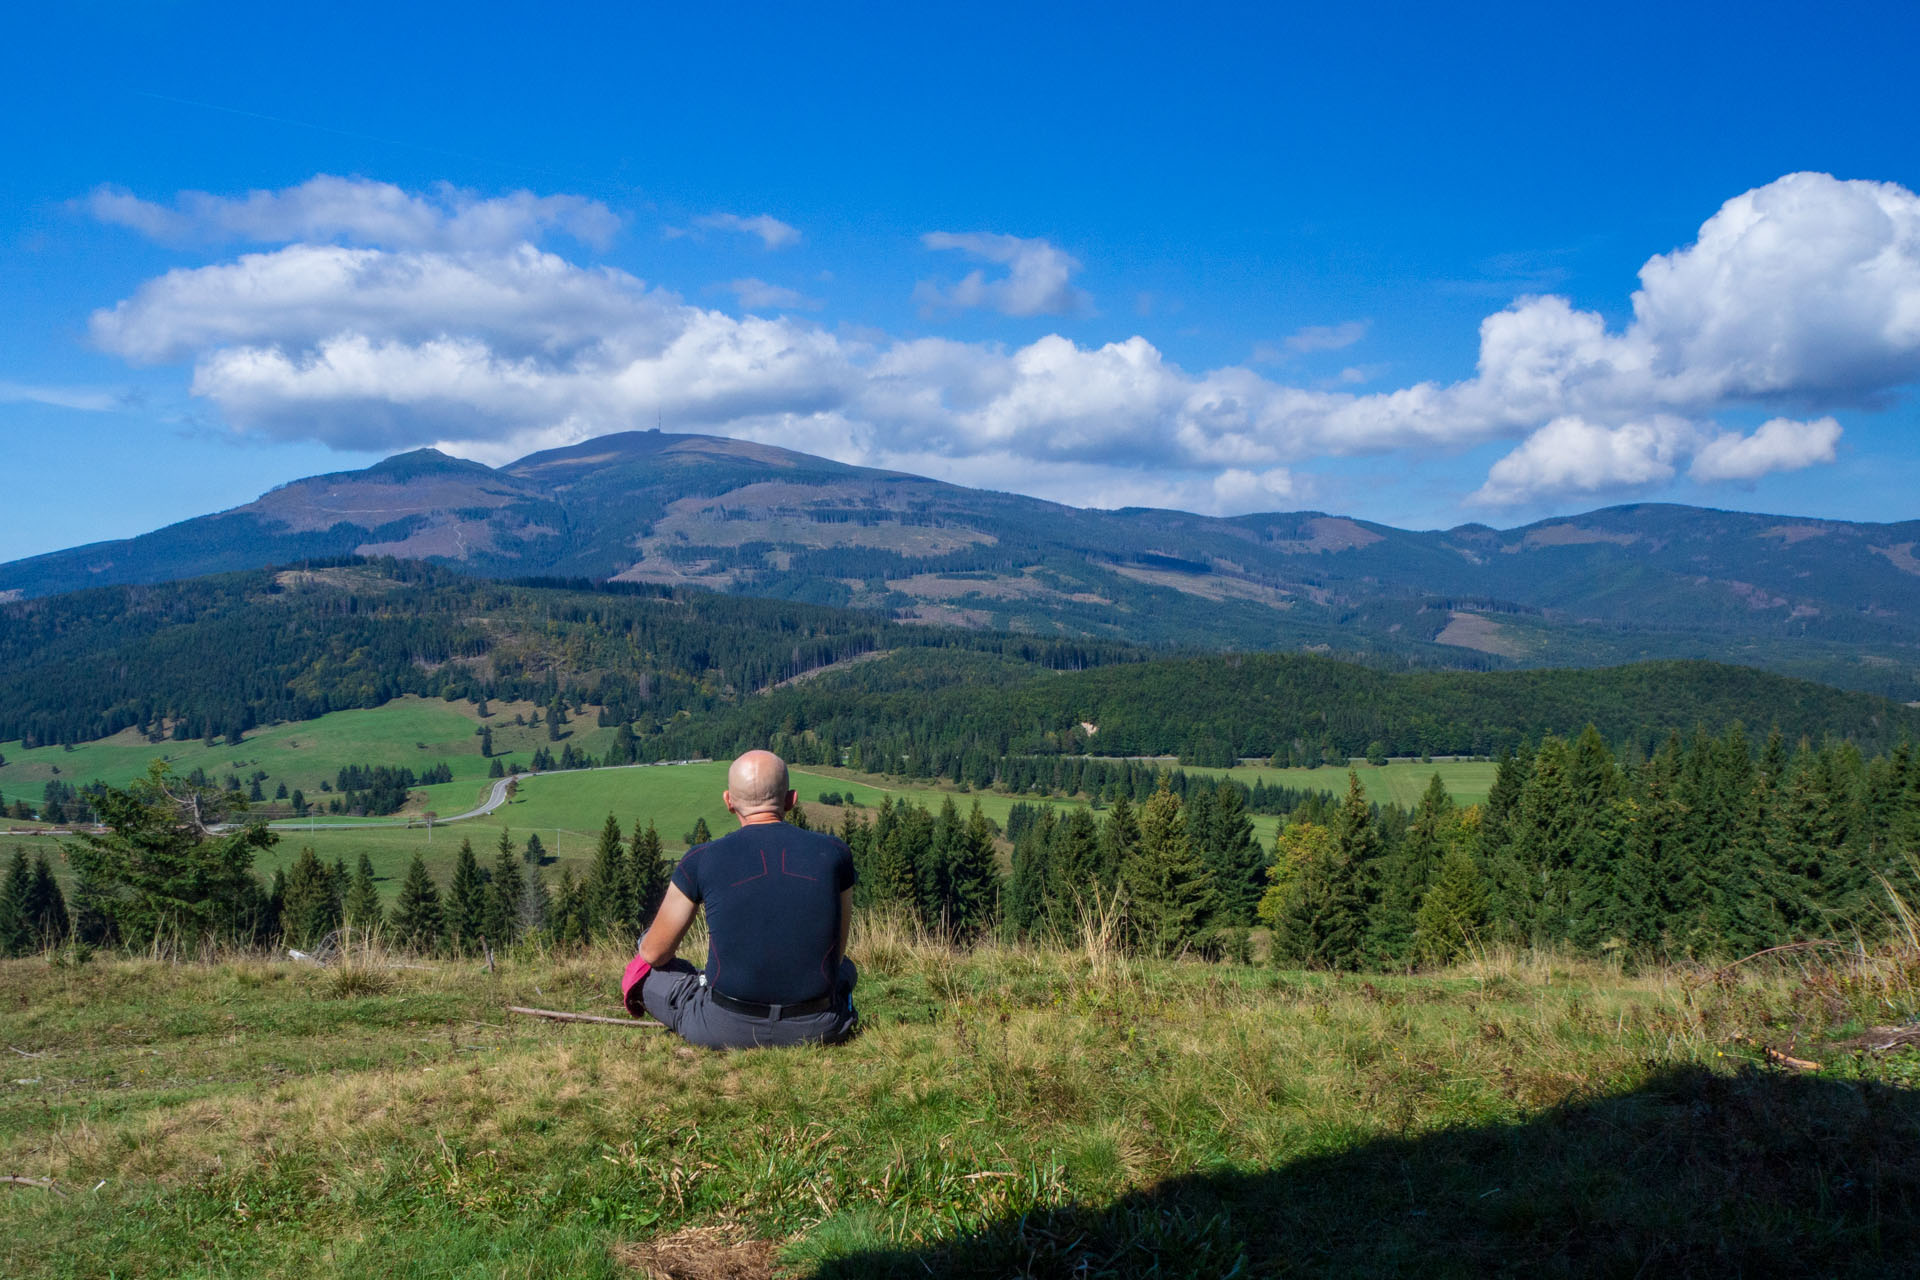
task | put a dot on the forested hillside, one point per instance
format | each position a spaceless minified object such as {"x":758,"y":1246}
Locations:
{"x":1824,"y":599}
{"x":221,"y":655}
{"x":1295,"y":709}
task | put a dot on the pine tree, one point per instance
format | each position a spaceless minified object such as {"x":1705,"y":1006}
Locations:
{"x":1454,"y":911}
{"x":1315,"y":907}
{"x":1168,"y":885}
{"x":1645,"y":884}
{"x":1543,"y":837}
{"x":1119,"y":837}
{"x":501,"y":921}
{"x":700,"y":834}
{"x":417,"y":920}
{"x":16,"y":931}
{"x":311,"y":908}
{"x":1073,"y":868}
{"x":1407,"y":875}
{"x":1027,"y":896}
{"x":973,"y":879}
{"x":46,"y":906}
{"x":647,"y":876}
{"x":567,"y":921}
{"x":361,"y":908}
{"x":607,"y":886}
{"x":1235,"y":858}
{"x":898,"y":858}
{"x":534,"y":854}
{"x":466,"y":906}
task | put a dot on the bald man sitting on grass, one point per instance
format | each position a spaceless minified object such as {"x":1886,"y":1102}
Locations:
{"x":779,"y":901}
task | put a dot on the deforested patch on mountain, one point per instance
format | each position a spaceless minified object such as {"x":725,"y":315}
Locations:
{"x":1830,"y":600}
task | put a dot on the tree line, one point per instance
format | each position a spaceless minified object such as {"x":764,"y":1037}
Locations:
{"x":1704,"y":848}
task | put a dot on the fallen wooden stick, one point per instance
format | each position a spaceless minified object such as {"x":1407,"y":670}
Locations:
{"x":1779,"y":1059}
{"x":45,"y":1184}
{"x":555,"y":1015}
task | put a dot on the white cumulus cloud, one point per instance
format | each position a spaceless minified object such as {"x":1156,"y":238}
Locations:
{"x":1573,"y":456}
{"x":1780,"y":444}
{"x":1038,"y":279}
{"x":1801,"y":298}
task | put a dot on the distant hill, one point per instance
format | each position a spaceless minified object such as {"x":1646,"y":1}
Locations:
{"x":1828,"y":600}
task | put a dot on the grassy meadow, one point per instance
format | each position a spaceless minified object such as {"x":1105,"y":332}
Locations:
{"x":417,"y":733}
{"x":1009,"y":1111}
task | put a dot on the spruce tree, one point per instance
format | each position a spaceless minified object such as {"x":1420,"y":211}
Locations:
{"x":567,"y":921}
{"x":535,"y":853}
{"x":647,"y":876}
{"x":361,"y":908}
{"x":1543,"y":836}
{"x":606,"y":883}
{"x":700,"y":834}
{"x":501,"y":921}
{"x":466,"y":905}
{"x":1235,"y":858}
{"x":1646,"y":882}
{"x":16,"y":930}
{"x":1119,"y":837}
{"x":1073,"y":868}
{"x":46,"y":906}
{"x":1168,"y":885}
{"x":932,"y":871}
{"x":1453,"y":912}
{"x":417,"y":922}
{"x":973,"y":879}
{"x":311,"y":908}
{"x":1407,"y":875}
{"x":1314,"y":907}
{"x":899,"y":855}
{"x":1026,"y":910}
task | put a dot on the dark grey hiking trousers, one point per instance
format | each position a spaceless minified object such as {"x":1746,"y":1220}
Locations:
{"x":678,"y":996}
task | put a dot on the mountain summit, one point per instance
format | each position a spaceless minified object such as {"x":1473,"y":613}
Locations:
{"x":1830,"y":599}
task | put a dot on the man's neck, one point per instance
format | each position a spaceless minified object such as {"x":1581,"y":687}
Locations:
{"x":756,"y":819}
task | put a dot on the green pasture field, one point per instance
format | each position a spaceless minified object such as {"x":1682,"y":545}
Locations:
{"x":1400,"y":782}
{"x":411,"y":731}
{"x":567,"y":809}
{"x":1008,"y":1111}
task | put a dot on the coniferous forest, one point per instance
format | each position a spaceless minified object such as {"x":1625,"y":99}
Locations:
{"x":1665,"y":828}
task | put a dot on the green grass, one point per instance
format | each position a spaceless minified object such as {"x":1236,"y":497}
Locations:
{"x":1009,"y":1111}
{"x":415,"y":732}
{"x":568,"y":808}
{"x":1400,"y":782}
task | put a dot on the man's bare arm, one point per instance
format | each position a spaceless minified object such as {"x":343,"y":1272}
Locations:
{"x":670,"y":924}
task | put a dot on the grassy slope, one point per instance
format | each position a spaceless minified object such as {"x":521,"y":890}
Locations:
{"x":567,"y":809}
{"x":415,"y":732}
{"x":1045,"y":1113}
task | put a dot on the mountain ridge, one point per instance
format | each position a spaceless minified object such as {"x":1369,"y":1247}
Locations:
{"x":1835,"y":600}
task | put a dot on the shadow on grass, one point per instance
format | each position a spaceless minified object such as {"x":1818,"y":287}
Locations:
{"x":1691,"y":1175}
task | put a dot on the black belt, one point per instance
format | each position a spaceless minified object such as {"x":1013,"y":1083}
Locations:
{"x":772,"y":1012}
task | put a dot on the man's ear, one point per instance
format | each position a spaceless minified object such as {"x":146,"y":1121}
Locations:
{"x":793,"y":798}
{"x":726,"y":798}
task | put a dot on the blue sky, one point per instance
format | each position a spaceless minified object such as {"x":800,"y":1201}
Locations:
{"x":1382,"y":261}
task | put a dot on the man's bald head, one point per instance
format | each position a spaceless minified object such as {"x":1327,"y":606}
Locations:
{"x":757,"y":785}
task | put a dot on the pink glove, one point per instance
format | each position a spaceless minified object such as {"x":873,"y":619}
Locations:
{"x":637,"y":970}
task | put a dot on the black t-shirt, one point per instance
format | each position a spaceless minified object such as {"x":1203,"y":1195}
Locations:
{"x":772,"y":896}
